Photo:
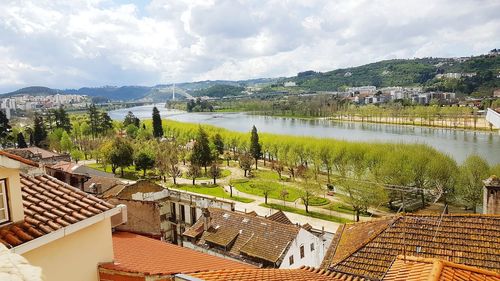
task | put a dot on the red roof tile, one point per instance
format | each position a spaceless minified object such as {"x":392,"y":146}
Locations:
{"x":18,"y":158}
{"x":138,"y":254}
{"x":414,"y":269}
{"x":49,"y":204}
{"x":304,"y":274}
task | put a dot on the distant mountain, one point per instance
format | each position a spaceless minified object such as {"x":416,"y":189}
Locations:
{"x":407,"y":72}
{"x":113,"y":93}
{"x":34,"y":91}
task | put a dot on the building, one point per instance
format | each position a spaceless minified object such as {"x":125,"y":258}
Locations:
{"x":491,"y":196}
{"x":255,"y":240}
{"x":53,"y":225}
{"x":368,"y":249}
{"x":74,"y":174}
{"x":140,"y":258}
{"x":39,"y":155}
{"x":160,"y":212}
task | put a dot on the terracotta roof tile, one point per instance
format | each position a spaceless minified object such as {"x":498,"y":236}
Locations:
{"x":139,"y":254}
{"x":45,"y":211}
{"x":414,"y":269}
{"x":279,"y":216}
{"x":303,"y":274}
{"x":368,"y":249}
{"x":249,"y":235}
{"x":18,"y":158}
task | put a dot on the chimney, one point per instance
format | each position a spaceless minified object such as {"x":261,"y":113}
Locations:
{"x":98,"y":188}
{"x":206,"y":219}
{"x":491,"y":196}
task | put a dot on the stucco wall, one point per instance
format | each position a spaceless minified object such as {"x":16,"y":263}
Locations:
{"x":143,"y":217}
{"x":311,"y":258}
{"x":14,"y":193}
{"x":76,"y":256}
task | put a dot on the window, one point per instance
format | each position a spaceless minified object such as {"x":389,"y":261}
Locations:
{"x":193,"y":215}
{"x":290,"y":259}
{"x":173,"y":211}
{"x":302,"y":251}
{"x":183,"y":213}
{"x":312,"y":247}
{"x":4,"y":207}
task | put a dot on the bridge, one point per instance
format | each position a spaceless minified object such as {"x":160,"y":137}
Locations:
{"x":493,"y":117}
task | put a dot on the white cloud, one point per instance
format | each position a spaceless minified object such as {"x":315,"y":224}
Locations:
{"x":74,"y":43}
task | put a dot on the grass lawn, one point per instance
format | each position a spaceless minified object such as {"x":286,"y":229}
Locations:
{"x":128,"y":173}
{"x":254,"y":186}
{"x":268,"y":175}
{"x":318,"y":201}
{"x":224,"y":173}
{"x":346,"y":209}
{"x":311,"y":214}
{"x":212,"y":190}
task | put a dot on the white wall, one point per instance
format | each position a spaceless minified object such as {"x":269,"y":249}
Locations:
{"x":311,"y":258}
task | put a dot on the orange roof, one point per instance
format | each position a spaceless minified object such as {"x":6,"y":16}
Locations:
{"x":268,"y":274}
{"x":279,"y":216}
{"x":18,"y":158}
{"x":369,"y":248}
{"x":414,"y":269}
{"x":49,"y":204}
{"x":138,"y":254}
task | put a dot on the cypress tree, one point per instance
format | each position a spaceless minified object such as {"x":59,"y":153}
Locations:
{"x":201,"y":155}
{"x":39,"y":132}
{"x":157,"y":128}
{"x":21,"y":143}
{"x":4,"y":126}
{"x":255,"y":147}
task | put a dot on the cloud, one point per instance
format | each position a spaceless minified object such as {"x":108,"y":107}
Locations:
{"x":75,"y":43}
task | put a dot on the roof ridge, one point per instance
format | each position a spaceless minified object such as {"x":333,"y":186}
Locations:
{"x":262,"y":219}
{"x":18,"y":158}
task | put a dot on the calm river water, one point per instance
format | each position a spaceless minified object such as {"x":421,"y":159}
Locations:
{"x":458,"y":144}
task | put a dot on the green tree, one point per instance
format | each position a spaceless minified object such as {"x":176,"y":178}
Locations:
{"x":472,"y":173}
{"x":106,"y":123}
{"x":157,"y":126}
{"x":361,"y":195}
{"x":255,"y":147}
{"x":5,"y":127}
{"x":194,"y":172}
{"x":144,"y":160}
{"x":130,"y":119}
{"x":21,"y":143}
{"x":39,"y":131}
{"x":66,"y":143}
{"x":219,"y":144}
{"x":77,"y":155}
{"x":61,"y":119}
{"x":94,"y":120}
{"x":132,"y":131}
{"x":215,"y":171}
{"x":246,"y":162}
{"x":121,"y":154}
{"x":308,"y":192}
{"x":265,"y":189}
{"x":201,"y":154}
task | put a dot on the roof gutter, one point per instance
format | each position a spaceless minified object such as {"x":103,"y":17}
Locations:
{"x":116,"y":214}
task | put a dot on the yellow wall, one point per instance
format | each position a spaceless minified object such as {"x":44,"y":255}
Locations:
{"x":14,"y":193}
{"x":76,"y":256}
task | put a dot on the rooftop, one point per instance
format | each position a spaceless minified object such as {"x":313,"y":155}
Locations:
{"x":245,"y":235}
{"x":18,"y":158}
{"x":303,"y":274}
{"x":134,"y":254}
{"x":42,"y":153}
{"x":49,"y":205}
{"x":279,"y":216}
{"x":414,"y":269}
{"x":368,"y":249}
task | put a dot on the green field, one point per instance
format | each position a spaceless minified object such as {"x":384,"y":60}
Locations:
{"x":128,"y":173}
{"x":311,"y":214}
{"x":212,"y":190}
{"x":224,"y":173}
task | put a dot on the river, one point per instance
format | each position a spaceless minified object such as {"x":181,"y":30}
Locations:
{"x":456,"y":143}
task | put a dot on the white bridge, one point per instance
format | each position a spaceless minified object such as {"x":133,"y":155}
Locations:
{"x":493,"y":117}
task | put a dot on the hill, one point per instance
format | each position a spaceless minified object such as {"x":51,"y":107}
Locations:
{"x":34,"y":91}
{"x":407,"y":72}
{"x":113,"y":93}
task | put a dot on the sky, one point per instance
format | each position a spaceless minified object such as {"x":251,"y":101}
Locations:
{"x":76,"y":43}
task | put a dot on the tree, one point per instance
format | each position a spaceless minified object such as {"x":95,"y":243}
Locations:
{"x":246,"y":162}
{"x":39,"y":132}
{"x":472,"y":173}
{"x":76,"y":155}
{"x":201,"y":154}
{"x":227,"y":157}
{"x":66,"y":143}
{"x":308,"y":192}
{"x":218,"y":143}
{"x":120,"y":155}
{"x":283,"y":195}
{"x":106,"y":123}
{"x":157,"y":126}
{"x":174,"y":171}
{"x":4,"y":127}
{"x":361,"y":195}
{"x":278,"y":168}
{"x":61,"y":119}
{"x":144,"y":160}
{"x":215,"y":171}
{"x":94,"y":120}
{"x":130,"y":119}
{"x":255,"y":147}
{"x":21,"y":143}
{"x":265,"y":189}
{"x":194,"y":172}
